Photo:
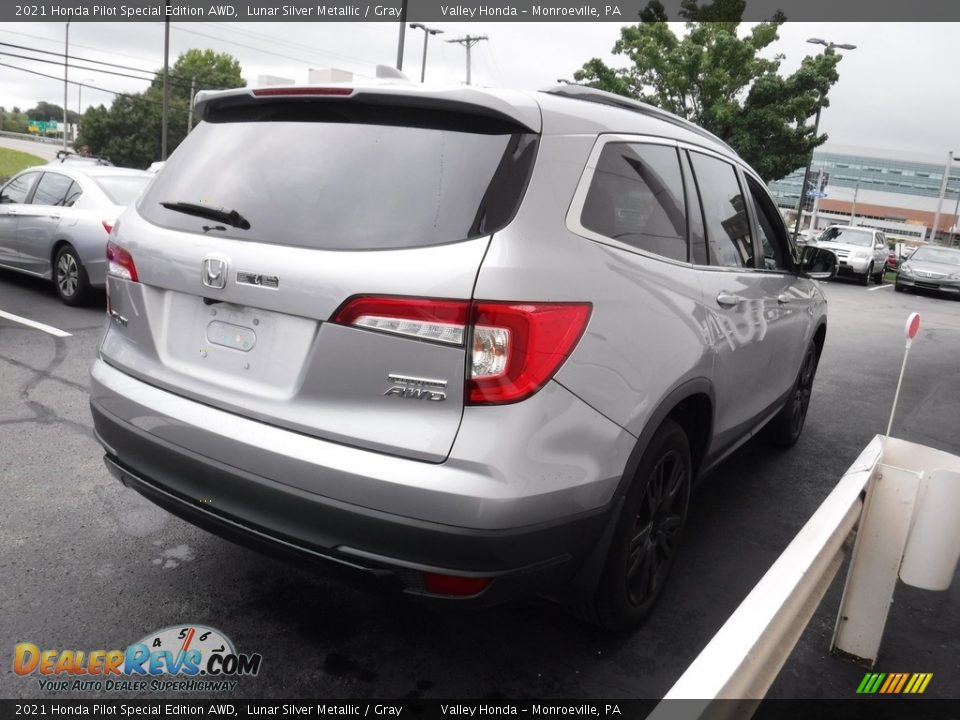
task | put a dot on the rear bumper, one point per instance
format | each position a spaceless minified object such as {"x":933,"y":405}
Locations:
{"x":560,"y":557}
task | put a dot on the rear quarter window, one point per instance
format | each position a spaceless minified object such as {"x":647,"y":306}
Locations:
{"x":636,"y":197}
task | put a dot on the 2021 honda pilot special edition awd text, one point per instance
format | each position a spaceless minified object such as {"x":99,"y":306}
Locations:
{"x":473,"y":344}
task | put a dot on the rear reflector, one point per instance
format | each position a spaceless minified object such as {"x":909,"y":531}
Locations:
{"x":453,"y":585}
{"x":515,"y":348}
{"x":120,"y":263}
{"x":300,"y":91}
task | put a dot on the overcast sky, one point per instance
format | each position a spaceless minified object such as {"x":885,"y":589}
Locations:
{"x":897,"y":91}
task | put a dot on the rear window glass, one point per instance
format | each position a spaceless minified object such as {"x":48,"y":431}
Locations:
{"x":345,"y":185}
{"x":122,"y":189}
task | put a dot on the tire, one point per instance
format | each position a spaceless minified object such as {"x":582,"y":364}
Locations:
{"x":647,"y":534}
{"x":787,"y":425}
{"x":865,"y":279}
{"x":70,"y":277}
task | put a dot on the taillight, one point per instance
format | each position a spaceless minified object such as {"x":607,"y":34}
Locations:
{"x":517,"y":347}
{"x":120,"y":263}
{"x":440,"y":321}
{"x":514,"y":348}
{"x":107,"y":225}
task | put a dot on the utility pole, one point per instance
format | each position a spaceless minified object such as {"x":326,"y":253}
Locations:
{"x":193,"y":92}
{"x":66,"y":69}
{"x":468,"y":42}
{"x":943,"y":189}
{"x":166,"y":89}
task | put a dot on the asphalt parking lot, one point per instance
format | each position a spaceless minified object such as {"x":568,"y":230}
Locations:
{"x":87,"y":563}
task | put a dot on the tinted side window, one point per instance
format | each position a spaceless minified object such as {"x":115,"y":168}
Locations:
{"x":773,"y":234}
{"x":73,"y":194}
{"x":724,"y":211}
{"x":636,"y":197}
{"x":17,"y":189}
{"x":53,"y":189}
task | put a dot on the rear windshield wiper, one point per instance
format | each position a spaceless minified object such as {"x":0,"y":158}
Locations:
{"x":230,"y":217}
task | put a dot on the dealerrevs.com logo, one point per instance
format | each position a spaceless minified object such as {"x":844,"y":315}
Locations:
{"x":184,"y":658}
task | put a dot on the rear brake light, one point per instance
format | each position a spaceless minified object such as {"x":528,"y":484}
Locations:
{"x":454,"y":585}
{"x":515,"y":348}
{"x":299,"y":91}
{"x":120,"y":263}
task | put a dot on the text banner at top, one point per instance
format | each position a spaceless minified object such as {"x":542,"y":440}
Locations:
{"x":622,"y":11}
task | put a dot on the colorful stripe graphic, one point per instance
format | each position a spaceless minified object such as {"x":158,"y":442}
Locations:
{"x":894,"y":683}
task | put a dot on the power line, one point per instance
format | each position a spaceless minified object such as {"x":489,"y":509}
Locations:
{"x":184,"y":81}
{"x":133,"y":96}
{"x":85,"y":47}
{"x":254,"y":48}
{"x":301,"y":46}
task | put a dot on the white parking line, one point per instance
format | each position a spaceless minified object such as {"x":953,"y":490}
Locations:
{"x":35,"y":325}
{"x":880,"y":287}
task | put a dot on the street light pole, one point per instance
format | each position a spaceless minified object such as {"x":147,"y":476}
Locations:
{"x":166,"y":89}
{"x":66,"y":69}
{"x":403,"y":28}
{"x":806,"y":172}
{"x":943,"y":189}
{"x":816,"y":125}
{"x":427,"y":32}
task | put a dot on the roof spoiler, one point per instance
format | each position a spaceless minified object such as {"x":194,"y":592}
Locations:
{"x":513,"y":108}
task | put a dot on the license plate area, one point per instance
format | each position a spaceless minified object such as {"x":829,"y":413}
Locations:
{"x":246,"y":349}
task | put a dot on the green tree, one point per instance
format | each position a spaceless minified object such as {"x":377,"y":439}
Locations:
{"x":48,"y":111}
{"x":129,"y":131}
{"x":716,"y":78}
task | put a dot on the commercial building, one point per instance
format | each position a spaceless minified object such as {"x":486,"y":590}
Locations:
{"x":890,"y":191}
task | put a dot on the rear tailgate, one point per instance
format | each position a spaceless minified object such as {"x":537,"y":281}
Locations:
{"x":332,"y":200}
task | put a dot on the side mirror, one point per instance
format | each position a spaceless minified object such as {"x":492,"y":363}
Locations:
{"x":818,"y":263}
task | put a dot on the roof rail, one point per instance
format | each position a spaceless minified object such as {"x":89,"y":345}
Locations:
{"x":64,"y":155}
{"x":602,"y":97}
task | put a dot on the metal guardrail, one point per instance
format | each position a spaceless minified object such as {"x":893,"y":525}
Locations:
{"x":902,"y":501}
{"x":31,"y":137}
{"x":745,"y":656}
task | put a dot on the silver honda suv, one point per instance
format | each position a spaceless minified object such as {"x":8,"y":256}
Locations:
{"x":468,"y":344}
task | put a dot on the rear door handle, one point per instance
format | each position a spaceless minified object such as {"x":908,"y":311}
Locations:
{"x":728,"y":300}
{"x":783,"y":298}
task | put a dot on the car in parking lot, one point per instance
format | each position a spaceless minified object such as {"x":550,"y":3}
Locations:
{"x":55,"y":220}
{"x":482,"y":350}
{"x":933,"y":268}
{"x":862,"y":251}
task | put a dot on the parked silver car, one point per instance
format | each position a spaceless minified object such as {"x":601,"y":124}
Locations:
{"x":55,"y":220}
{"x":473,"y":344}
{"x":862,"y":251}
{"x":933,"y":268}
